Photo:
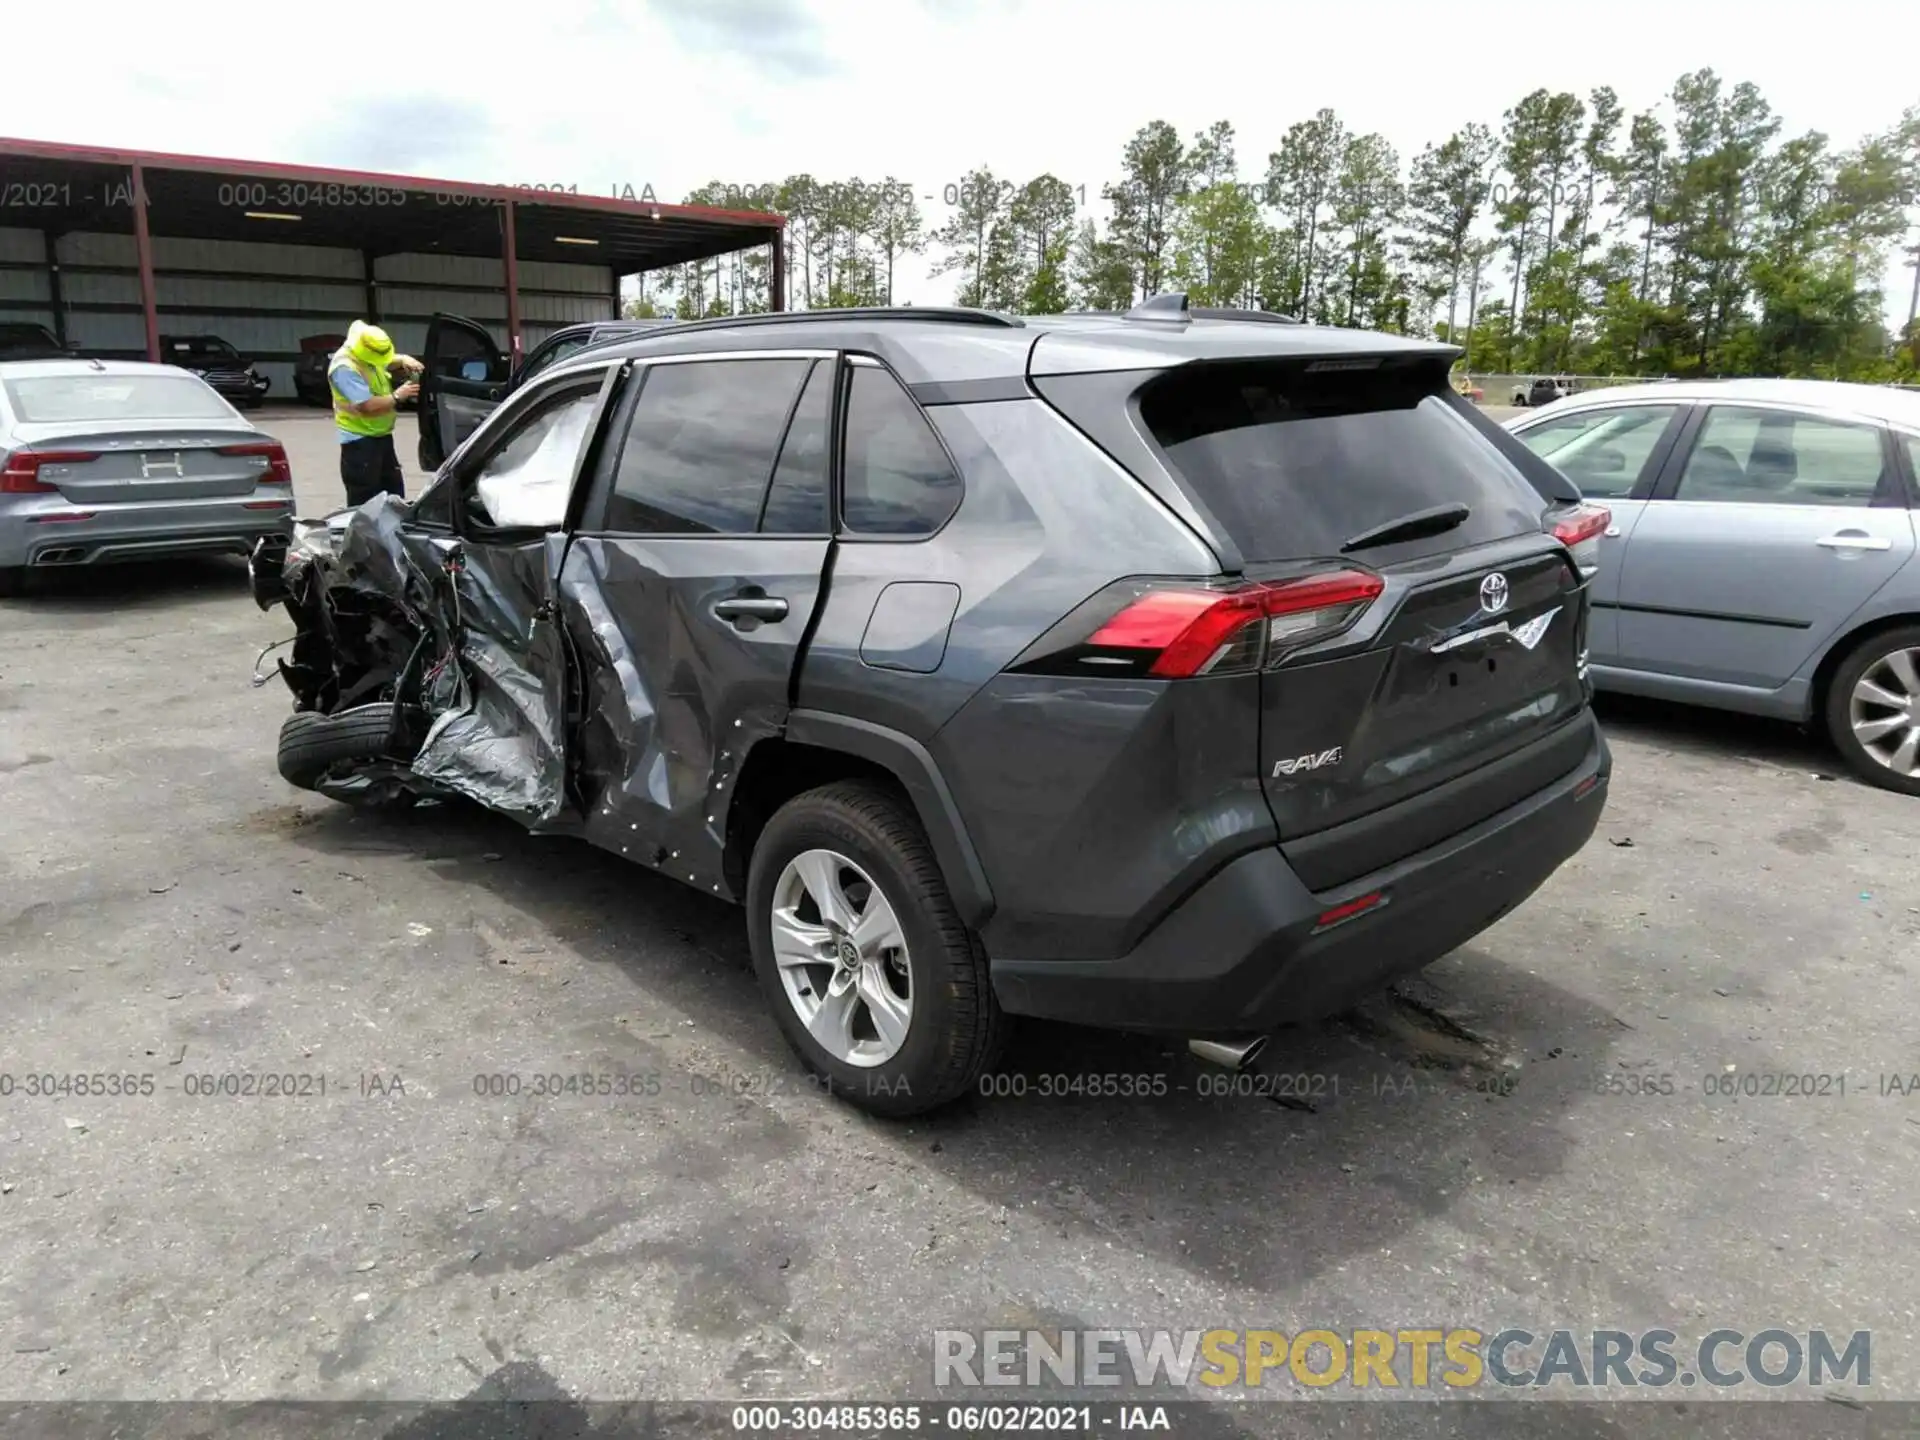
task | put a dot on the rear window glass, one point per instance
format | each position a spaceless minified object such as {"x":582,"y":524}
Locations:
{"x":48,"y":399}
{"x":1294,"y":463}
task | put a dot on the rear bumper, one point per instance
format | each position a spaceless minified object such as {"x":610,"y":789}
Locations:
{"x":1246,"y":952}
{"x":117,"y":533}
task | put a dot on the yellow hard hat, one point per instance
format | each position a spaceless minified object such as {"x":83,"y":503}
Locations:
{"x":369,"y":344}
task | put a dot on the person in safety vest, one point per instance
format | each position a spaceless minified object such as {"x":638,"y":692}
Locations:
{"x":365,"y":402}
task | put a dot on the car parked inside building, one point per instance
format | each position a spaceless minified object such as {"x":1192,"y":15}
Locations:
{"x":1114,"y":669}
{"x":219,"y":364}
{"x":1761,"y":552}
{"x":105,"y":460}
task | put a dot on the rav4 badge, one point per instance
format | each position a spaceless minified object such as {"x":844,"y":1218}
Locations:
{"x":1306,"y":762}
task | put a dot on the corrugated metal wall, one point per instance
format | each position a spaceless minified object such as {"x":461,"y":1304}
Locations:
{"x":264,"y":297}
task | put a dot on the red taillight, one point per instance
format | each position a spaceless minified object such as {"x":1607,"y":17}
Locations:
{"x":1199,"y":631}
{"x":1583,"y":522}
{"x":1579,"y":528}
{"x":22,"y":473}
{"x":278,"y":472}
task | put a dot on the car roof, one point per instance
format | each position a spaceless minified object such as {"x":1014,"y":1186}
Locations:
{"x":1839,"y":397}
{"x":939,"y":344}
{"x":47,"y":368}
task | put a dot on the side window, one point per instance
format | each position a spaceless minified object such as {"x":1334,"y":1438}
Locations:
{"x":897,"y":478}
{"x":1775,"y":457}
{"x":551,"y":355}
{"x":1601,"y":451}
{"x":700,"y":450}
{"x":527,"y":480}
{"x":797,"y":499}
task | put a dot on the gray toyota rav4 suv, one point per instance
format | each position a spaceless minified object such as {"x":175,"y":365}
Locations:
{"x":1181,"y":671}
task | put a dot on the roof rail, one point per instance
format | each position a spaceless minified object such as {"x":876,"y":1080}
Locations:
{"x":1173,"y":306}
{"x":945,"y":314}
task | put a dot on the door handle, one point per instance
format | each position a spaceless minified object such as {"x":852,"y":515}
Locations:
{"x":1854,"y":540}
{"x":751,"y":607}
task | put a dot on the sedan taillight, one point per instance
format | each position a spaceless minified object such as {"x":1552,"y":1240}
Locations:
{"x":21,"y":476}
{"x":278,"y":471}
{"x":1579,"y":528}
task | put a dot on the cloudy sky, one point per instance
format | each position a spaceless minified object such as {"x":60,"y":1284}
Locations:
{"x":673,"y":93}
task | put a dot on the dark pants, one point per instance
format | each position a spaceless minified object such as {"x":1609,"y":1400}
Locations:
{"x":369,"y":466}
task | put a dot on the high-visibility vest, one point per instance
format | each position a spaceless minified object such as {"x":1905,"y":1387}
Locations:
{"x":378,"y":381}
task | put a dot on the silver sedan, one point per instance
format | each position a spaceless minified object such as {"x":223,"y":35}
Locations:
{"x":1763,"y":554}
{"x":104,"y":460}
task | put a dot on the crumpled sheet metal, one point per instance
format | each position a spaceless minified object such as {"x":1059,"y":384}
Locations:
{"x":497,"y":705}
{"x":623,"y":764}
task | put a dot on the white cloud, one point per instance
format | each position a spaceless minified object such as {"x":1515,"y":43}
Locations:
{"x":674,"y":93}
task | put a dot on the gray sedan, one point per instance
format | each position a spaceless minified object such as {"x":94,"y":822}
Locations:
{"x":112,"y":460}
{"x":1761,"y":555}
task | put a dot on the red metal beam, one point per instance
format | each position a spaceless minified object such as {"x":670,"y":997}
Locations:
{"x":143,"y":248}
{"x":208,"y":164}
{"x":511,"y":256}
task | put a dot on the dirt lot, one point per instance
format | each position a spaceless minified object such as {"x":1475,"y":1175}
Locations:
{"x":170,"y":909}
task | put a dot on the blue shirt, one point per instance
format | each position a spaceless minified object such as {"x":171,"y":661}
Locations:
{"x":352,"y":384}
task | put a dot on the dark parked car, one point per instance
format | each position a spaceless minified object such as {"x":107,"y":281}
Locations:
{"x":229,"y":372}
{"x":23,"y":341}
{"x":1124,"y":670}
{"x":1543,"y":391}
{"x":310,"y":370}
{"x":468,"y":375}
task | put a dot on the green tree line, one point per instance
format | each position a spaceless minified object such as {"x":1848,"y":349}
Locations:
{"x":1693,"y":238}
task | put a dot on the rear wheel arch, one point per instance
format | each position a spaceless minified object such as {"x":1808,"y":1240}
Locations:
{"x":1842,"y":646}
{"x":819,"y":749}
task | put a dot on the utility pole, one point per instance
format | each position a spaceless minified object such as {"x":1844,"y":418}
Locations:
{"x":1913,"y":305}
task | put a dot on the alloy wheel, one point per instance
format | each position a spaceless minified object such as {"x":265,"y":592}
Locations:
{"x":842,"y":958}
{"x":1884,"y":711}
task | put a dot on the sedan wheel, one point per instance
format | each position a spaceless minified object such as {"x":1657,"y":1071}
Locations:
{"x":1883,"y":711}
{"x":842,"y":958}
{"x":1873,"y":709}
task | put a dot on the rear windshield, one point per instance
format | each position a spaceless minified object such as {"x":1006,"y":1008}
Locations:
{"x":49,"y":399}
{"x":1294,"y":463}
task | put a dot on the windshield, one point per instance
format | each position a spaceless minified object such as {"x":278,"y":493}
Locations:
{"x":51,"y":399}
{"x":203,"y":347}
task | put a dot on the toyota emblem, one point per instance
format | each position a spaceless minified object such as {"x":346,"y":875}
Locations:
{"x":1493,"y":593}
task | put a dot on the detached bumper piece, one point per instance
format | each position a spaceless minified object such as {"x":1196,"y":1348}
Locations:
{"x":1253,"y":949}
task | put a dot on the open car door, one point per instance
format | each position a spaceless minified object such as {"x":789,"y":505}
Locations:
{"x":465,"y":381}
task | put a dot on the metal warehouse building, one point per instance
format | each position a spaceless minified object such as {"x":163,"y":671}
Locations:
{"x":110,"y":249}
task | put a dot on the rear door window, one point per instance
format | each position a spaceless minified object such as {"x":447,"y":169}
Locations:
{"x":1601,"y":451}
{"x":700,"y":450}
{"x":1294,"y":462}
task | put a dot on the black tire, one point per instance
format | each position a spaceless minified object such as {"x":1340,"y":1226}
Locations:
{"x":957,"y":1028}
{"x":13,"y":579}
{"x":1838,"y":718}
{"x":312,"y":744}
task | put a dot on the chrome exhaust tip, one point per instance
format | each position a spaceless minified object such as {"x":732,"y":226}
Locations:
{"x":1232,"y":1054}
